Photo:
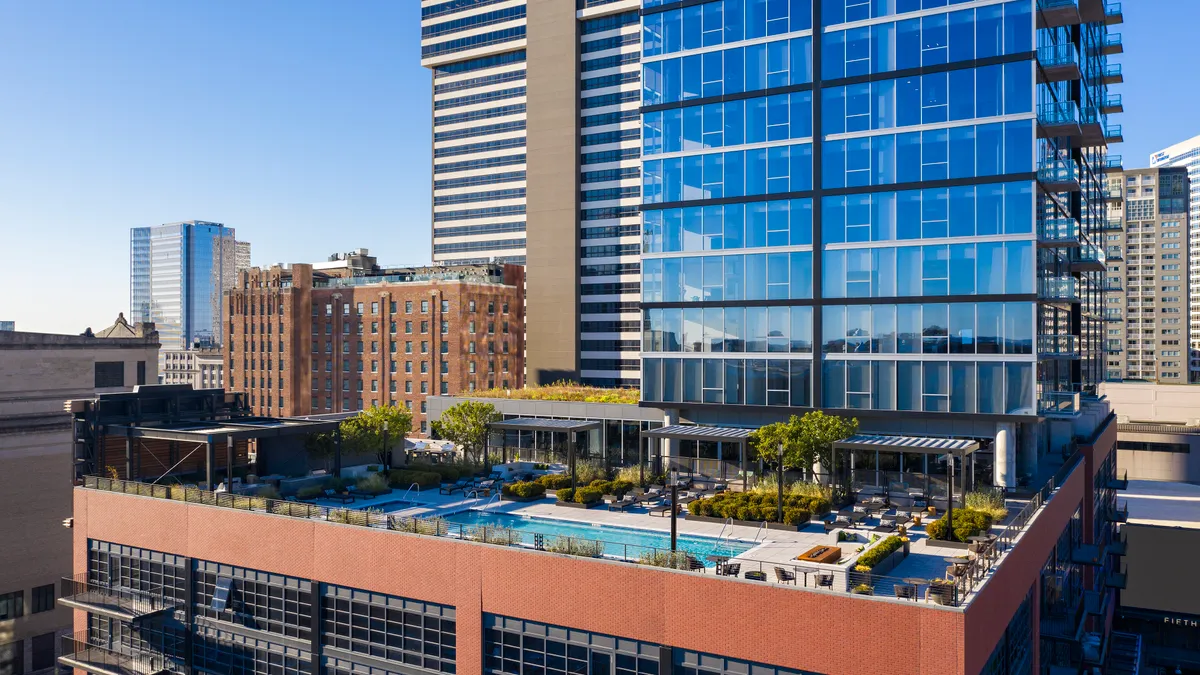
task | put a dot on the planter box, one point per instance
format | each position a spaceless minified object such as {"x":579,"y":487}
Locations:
{"x":948,"y":544}
{"x":747,"y":523}
{"x":514,"y":498}
{"x":577,"y":505}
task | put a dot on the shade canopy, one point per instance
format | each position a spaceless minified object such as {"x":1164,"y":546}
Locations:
{"x":211,"y":430}
{"x":691,"y":432}
{"x":913,"y":444}
{"x":543,"y":424}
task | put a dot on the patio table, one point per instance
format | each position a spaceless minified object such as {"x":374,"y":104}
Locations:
{"x":806,"y":571}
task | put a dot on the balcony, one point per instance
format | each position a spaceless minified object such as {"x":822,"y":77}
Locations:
{"x":1113,"y":134}
{"x":1115,"y":580}
{"x":1059,"y":403}
{"x":1058,"y":346}
{"x":1113,"y":195}
{"x":1087,"y":554}
{"x":1114,"y":315}
{"x":1114,"y":347}
{"x":1089,"y":259}
{"x":1121,"y":483}
{"x":1113,"y":162}
{"x":1114,"y":253}
{"x":1058,"y":13}
{"x":1112,"y":13}
{"x":1112,"y":284}
{"x":1059,"y":175}
{"x":1096,"y":602}
{"x":1059,"y":120}
{"x":1117,"y":513}
{"x":116,"y":602}
{"x":1059,"y":63}
{"x":1112,"y":104}
{"x":1058,"y":232}
{"x":1058,"y":289}
{"x":1112,"y":44}
{"x":87,"y":654}
{"x":1112,"y":74}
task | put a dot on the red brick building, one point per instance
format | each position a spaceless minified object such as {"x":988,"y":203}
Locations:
{"x":305,"y":340}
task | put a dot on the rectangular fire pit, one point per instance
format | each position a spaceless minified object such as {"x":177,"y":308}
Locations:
{"x":822,"y":554}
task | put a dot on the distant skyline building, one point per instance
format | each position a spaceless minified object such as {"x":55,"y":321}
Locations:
{"x":177,"y":274}
{"x":571,"y":180}
{"x":1187,"y":154}
{"x":243,"y":255}
{"x":8,"y":325}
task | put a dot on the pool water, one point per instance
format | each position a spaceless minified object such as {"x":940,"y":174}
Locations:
{"x":618,"y":541}
{"x":390,"y":505}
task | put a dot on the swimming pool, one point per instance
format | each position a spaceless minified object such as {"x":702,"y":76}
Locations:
{"x":391,"y":505}
{"x":618,"y":541}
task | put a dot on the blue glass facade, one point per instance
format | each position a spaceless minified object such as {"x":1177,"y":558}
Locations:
{"x":861,"y":204}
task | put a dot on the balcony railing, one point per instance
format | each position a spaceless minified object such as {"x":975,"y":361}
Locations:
{"x":1058,"y":231}
{"x":1111,"y":284}
{"x":1059,"y":62}
{"x":1112,"y":44}
{"x":1090,"y":257}
{"x":1064,"y":113}
{"x":1058,"y":288}
{"x":1121,"y":483}
{"x":1113,"y":133}
{"x":1113,"y":74}
{"x":1114,"y":253}
{"x":1114,"y":315}
{"x":90,"y":655}
{"x":118,"y":602}
{"x":1112,"y":104}
{"x":1117,"y":513}
{"x":1058,"y":346}
{"x":1112,"y":13}
{"x":1061,"y":174}
{"x":1059,"y":403}
{"x":1114,"y":161}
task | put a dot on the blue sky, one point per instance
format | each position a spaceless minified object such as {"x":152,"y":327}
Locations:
{"x":302,"y":124}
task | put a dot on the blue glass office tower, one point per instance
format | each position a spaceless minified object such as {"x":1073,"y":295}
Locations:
{"x":890,"y":208}
{"x":177,"y":275}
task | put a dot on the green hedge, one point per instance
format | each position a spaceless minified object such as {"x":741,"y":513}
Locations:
{"x":525,"y":489}
{"x":612,"y":487}
{"x":403,"y":478}
{"x":756,"y":506}
{"x":309,"y":492}
{"x":876,"y":555}
{"x":588,"y":495}
{"x":967,"y":523}
{"x":554,"y":481}
{"x":566,"y":494}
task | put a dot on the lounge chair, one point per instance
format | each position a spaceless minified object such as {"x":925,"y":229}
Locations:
{"x":885,"y":525}
{"x":785,"y":576}
{"x":829,"y":525}
{"x":461,"y":485}
{"x":621,"y":504}
{"x":337,"y":496}
{"x":662,"y":509}
{"x":649,"y":496}
{"x":843,"y":521}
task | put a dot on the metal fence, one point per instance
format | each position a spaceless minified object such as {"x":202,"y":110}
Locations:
{"x":1008,"y":536}
{"x":82,"y":649}
{"x":80,"y":589}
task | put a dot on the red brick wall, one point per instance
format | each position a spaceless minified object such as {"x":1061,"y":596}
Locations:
{"x":824,"y":632}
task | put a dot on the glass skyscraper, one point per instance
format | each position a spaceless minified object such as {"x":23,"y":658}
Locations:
{"x":886,"y":206}
{"x":177,"y":274}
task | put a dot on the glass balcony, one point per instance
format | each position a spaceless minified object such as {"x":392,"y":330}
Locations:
{"x":1114,"y":315}
{"x":1058,"y":289}
{"x":1113,"y":134}
{"x":1112,"y":284}
{"x":1112,"y":104}
{"x":1058,"y":119}
{"x":1058,"y":13}
{"x":1058,"y":63}
{"x":1112,"y":13}
{"x":1112,"y":44}
{"x":1113,"y":162}
{"x":1058,"y":232}
{"x":1059,"y":175}
{"x":1114,"y":347}
{"x":1114,"y":253}
{"x":1114,"y":376}
{"x":1113,"y":195}
{"x":1113,"y":74}
{"x":1059,"y":403}
{"x":1089,"y":258}
{"x":1058,"y":346}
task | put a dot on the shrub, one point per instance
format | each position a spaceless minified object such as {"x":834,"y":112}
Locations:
{"x":586,"y":472}
{"x":349,"y":517}
{"x":863,"y":589}
{"x":491,"y":534}
{"x":373,"y":468}
{"x":566,"y":494}
{"x":700,"y":507}
{"x":403,"y":478}
{"x":795,"y":516}
{"x":374,"y":484}
{"x":620,"y":487}
{"x":672,"y":559}
{"x":990,"y":502}
{"x":581,"y":547}
{"x":268,"y":492}
{"x":310,"y":492}
{"x":871,"y":558}
{"x":632,"y":475}
{"x":554,"y":481}
{"x":588,"y":495}
{"x":967,"y":523}
{"x":540,"y":467}
{"x":525,"y":489}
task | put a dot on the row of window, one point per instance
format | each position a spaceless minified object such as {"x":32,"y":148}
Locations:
{"x":360,"y":309}
{"x":611,"y":42}
{"x":480,"y":63}
{"x":613,"y":61}
{"x":716,"y":125}
{"x":609,"y":118}
{"x":733,"y":71}
{"x":607,"y":156}
{"x":483,"y":196}
{"x":610,"y":22}
{"x":12,"y":604}
{"x":481,"y":81}
{"x":938,"y":154}
{"x":487,"y":212}
{"x":472,"y":230}
{"x":471,"y":181}
{"x":486,"y":113}
{"x":985,"y":32}
{"x":473,"y":21}
{"x":483,"y":146}
{"x":611,"y":288}
{"x":451,"y":6}
{"x":485,"y":130}
{"x":609,"y":137}
{"x":608,"y":213}
{"x":989,"y":91}
{"x":735,"y":173}
{"x":609,"y":270}
{"x":482,"y":163}
{"x":606,"y":175}
{"x":609,"y":251}
{"x":931,"y":328}
{"x":721,"y":22}
{"x":608,"y":194}
{"x":728,"y":330}
{"x":756,"y":276}
{"x":483,"y":97}
{"x":614,"y":80}
{"x":473,"y":42}
{"x":470,"y":246}
{"x":604,"y":100}
{"x":731,"y":226}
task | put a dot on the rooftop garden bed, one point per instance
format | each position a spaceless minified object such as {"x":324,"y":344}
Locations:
{"x":564,"y":391}
{"x":967,"y":523}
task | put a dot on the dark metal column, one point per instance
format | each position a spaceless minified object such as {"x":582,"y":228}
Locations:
{"x":128,"y":455}
{"x":229,"y":463}
{"x":209,"y":461}
{"x":189,"y":600}
{"x":337,"y":452}
{"x":314,"y":623}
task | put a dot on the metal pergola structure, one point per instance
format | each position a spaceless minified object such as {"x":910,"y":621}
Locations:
{"x":951,"y":447}
{"x":546,"y":425}
{"x":688,"y":432}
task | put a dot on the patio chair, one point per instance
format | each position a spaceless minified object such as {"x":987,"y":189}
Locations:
{"x":824,"y":580}
{"x":829,"y":526}
{"x":658,"y":488}
{"x":905,"y":591}
{"x":885,"y":525}
{"x":784,"y":576}
{"x":729,"y":569}
{"x":860,"y":508}
{"x":462,"y":484}
{"x":695,"y":564}
{"x":336,"y":496}
{"x":621,"y":504}
{"x":650,"y":496}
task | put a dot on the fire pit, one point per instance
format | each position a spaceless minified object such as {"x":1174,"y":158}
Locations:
{"x":822,"y":554}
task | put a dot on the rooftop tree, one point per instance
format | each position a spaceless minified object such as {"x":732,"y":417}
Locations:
{"x":466,"y":425}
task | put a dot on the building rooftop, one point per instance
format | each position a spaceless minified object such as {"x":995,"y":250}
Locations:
{"x":563,"y":391}
{"x":1164,"y":504}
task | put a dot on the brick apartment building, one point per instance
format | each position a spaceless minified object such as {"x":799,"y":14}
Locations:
{"x":308,"y":339}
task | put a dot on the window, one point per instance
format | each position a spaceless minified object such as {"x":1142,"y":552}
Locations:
{"x":12,"y":605}
{"x":374,"y":307}
{"x":408,"y":306}
{"x":141,"y":372}
{"x":424,"y":306}
{"x":43,"y":598}
{"x":471,"y":306}
{"x":445,"y":305}
{"x":1141,"y":446}
{"x":43,"y":652}
{"x":12,"y":658}
{"x":110,"y":374}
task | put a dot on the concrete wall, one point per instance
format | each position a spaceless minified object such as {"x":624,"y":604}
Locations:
{"x":1160,"y":568}
{"x":1149,"y":411}
{"x":1161,"y":403}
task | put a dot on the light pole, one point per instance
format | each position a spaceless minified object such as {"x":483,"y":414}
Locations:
{"x":387,"y":453}
{"x":674,"y":476}
{"x":779,"y":506}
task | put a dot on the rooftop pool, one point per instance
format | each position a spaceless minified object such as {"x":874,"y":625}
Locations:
{"x":618,"y":541}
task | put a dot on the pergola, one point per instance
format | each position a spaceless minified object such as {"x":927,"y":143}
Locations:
{"x":552,"y":426}
{"x":689,"y":432}
{"x":951,"y":447}
{"x":211,"y":433}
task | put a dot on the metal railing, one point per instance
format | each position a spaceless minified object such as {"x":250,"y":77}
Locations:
{"x":1058,"y":288}
{"x":1058,"y":229}
{"x":1113,"y":161}
{"x":1065,"y":112}
{"x":1059,"y":402}
{"x":84,"y":650}
{"x":1053,"y":56}
{"x":1058,"y":345}
{"x":1037,"y":500}
{"x":136,"y":602}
